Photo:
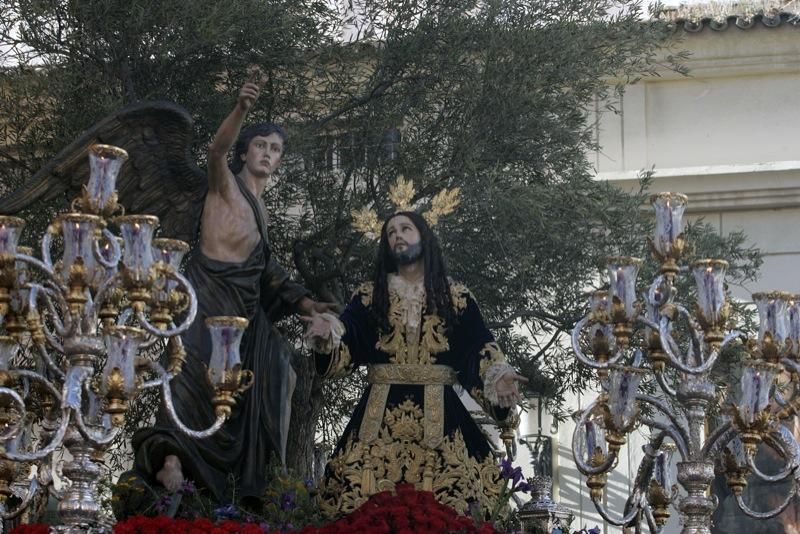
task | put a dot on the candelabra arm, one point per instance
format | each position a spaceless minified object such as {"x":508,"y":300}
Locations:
{"x":63,"y":329}
{"x":100,"y":296}
{"x":149,"y":342}
{"x":47,"y":268}
{"x":783,"y":442}
{"x":583,"y":467}
{"x":772,"y":513}
{"x":651,"y":521}
{"x":55,"y":442}
{"x":47,"y":240}
{"x":173,"y":415}
{"x":187,"y":322}
{"x":718,"y":439}
{"x":159,"y":371}
{"x":49,"y":363}
{"x":779,"y":400}
{"x":96,"y":440}
{"x":625,"y":521}
{"x":576,"y":346}
{"x":783,"y":475}
{"x":684,"y":442}
{"x":33,"y":489}
{"x":36,"y":377}
{"x":672,"y":432}
{"x":791,"y":364}
{"x":665,"y":386}
{"x":675,"y":360}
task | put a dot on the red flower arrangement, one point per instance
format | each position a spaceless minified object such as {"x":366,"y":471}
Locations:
{"x":407,"y":511}
{"x":164,"y":525}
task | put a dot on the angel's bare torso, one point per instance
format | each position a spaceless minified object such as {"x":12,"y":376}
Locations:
{"x":229,"y":231}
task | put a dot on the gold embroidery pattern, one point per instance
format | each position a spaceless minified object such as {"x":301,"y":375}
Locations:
{"x":433,"y":339}
{"x":490,"y":355}
{"x":401,"y":455}
{"x":434,"y":415}
{"x":394,"y":342}
{"x":365,"y":292}
{"x":373,"y":416}
{"x":382,"y":376}
{"x":459,"y":294}
{"x":411,"y":374}
{"x":340,"y":364}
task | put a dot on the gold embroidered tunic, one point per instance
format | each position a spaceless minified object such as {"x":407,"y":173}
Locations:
{"x":410,"y":426}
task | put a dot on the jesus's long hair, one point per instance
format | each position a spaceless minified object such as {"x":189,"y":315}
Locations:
{"x":437,"y":287}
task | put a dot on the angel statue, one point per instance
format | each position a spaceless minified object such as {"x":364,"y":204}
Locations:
{"x":232,"y":270}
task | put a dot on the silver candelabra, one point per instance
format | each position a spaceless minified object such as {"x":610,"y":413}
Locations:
{"x":626,"y":340}
{"x":75,"y":335}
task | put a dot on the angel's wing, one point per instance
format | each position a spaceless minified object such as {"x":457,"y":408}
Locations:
{"x":160,"y":177}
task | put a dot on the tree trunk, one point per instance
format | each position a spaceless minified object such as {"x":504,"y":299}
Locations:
{"x":306,"y":407}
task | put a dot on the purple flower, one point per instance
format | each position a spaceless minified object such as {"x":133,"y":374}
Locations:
{"x":595,"y":530}
{"x":188,"y":488}
{"x":523,"y":486}
{"x":163,"y":503}
{"x":506,"y":469}
{"x":228,"y":511}
{"x":288,"y":501}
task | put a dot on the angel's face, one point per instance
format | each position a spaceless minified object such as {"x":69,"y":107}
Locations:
{"x":263,"y":155}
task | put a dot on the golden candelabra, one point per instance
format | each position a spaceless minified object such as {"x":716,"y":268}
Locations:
{"x":606,"y":340}
{"x":79,"y":339}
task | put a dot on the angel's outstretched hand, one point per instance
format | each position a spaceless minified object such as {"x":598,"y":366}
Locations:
{"x":248,"y":96}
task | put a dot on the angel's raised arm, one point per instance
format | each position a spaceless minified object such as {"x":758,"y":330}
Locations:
{"x":220,"y":178}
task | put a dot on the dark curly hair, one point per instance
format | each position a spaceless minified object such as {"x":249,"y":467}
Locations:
{"x":437,"y":286}
{"x":262,"y":129}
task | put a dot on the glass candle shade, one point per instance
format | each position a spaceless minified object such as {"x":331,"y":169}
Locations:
{"x":622,"y":388}
{"x":10,"y":231}
{"x":19,"y":295}
{"x":756,"y":382}
{"x":171,"y":252}
{"x":669,"y":208}
{"x":122,"y":344}
{"x":773,"y":317}
{"x":709,"y":275}
{"x":591,"y":435}
{"x":663,"y":472}
{"x":226,"y":335}
{"x":79,"y":230}
{"x":137,"y":239}
{"x":105,"y":162}
{"x":622,"y":273}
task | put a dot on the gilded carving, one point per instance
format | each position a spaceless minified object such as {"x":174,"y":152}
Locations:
{"x":401,"y":454}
